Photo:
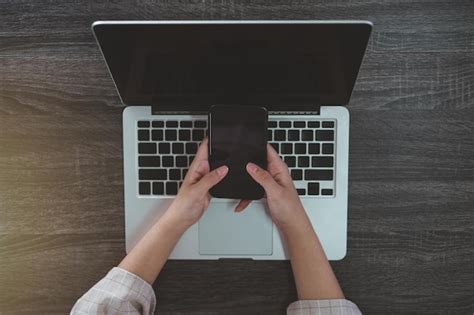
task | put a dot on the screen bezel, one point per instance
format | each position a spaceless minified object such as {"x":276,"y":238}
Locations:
{"x":189,"y":104}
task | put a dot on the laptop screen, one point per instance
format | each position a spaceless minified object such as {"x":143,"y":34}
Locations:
{"x":191,"y":66}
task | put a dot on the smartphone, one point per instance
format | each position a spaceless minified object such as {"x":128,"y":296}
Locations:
{"x":237,"y":135}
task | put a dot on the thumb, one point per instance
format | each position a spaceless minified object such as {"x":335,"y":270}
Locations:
{"x":212,"y":178}
{"x":262,"y":177}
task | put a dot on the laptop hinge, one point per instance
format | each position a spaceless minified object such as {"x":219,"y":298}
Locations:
{"x":276,"y":112}
{"x":164,"y":110}
{"x":280,"y":110}
{"x":300,"y":110}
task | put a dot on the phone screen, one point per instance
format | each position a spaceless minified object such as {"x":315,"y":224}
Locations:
{"x":238,"y":135}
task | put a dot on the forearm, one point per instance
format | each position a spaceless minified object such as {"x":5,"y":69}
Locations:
{"x":314,"y":277}
{"x":148,"y":257}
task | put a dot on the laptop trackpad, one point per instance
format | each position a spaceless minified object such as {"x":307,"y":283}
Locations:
{"x":224,"y":232}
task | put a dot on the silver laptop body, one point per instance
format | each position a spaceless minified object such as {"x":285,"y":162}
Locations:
{"x":159,"y":141}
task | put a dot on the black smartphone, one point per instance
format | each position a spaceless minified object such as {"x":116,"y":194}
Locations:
{"x":237,"y":135}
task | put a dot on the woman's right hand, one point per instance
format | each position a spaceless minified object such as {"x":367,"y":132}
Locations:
{"x":284,"y":204}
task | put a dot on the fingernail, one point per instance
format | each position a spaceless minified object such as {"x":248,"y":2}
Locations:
{"x":252,"y":167}
{"x":222,"y":170}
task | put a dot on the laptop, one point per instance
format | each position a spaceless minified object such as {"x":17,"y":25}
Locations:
{"x":169,"y":73}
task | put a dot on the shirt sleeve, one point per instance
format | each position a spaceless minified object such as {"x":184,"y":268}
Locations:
{"x":323,"y":307}
{"x":118,"y":292}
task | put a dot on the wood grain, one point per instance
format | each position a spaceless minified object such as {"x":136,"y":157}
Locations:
{"x":411,"y":177}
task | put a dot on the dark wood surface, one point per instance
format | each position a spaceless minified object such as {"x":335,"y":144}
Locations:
{"x":411,"y":200}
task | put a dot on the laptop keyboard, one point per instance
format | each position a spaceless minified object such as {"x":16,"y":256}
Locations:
{"x":166,"y":148}
{"x":307,"y":147}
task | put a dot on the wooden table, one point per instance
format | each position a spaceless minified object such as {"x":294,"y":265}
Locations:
{"x":411,"y":183}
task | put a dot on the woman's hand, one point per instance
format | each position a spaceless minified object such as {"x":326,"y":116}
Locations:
{"x":193,"y":196}
{"x":314,"y":277}
{"x":150,"y":254}
{"x":283,"y":201}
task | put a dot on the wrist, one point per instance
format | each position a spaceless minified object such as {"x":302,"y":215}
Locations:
{"x":173,"y":222}
{"x":299,"y":222}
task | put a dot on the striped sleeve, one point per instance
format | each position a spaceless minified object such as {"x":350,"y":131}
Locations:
{"x":323,"y":307}
{"x":118,"y":292}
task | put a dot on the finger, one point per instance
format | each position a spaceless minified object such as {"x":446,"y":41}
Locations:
{"x":212,"y":178}
{"x":277,"y":168}
{"x":263,"y":178}
{"x":273,"y":157}
{"x":242,"y":205}
{"x":202,"y":154}
{"x":194,"y":174}
{"x":272,"y":154}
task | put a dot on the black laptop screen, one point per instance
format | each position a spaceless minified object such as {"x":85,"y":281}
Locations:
{"x":193,"y":66}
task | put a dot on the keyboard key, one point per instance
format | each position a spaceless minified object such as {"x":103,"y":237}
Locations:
{"x":276,"y":146}
{"x":326,"y":192}
{"x":157,"y":135}
{"x":158,"y":188}
{"x":164,"y":148}
{"x":307,"y":135}
{"x":269,"y":135}
{"x":184,"y":135}
{"x":198,"y":134}
{"x":190,"y":159}
{"x":290,"y":161}
{"x":285,"y":124}
{"x":200,"y":124}
{"x":313,"y":189}
{"x":303,"y":161}
{"x":299,"y":124}
{"x":177,"y":148}
{"x":171,"y":188}
{"x":167,"y":161}
{"x":144,"y":188}
{"x":186,"y":124}
{"x":313,"y":124}
{"x":293,"y":135}
{"x":272,"y":124}
{"x":143,"y":135}
{"x":328,"y":148}
{"x":170,"y":135}
{"x":175,"y":174}
{"x":191,"y":148}
{"x":319,"y":161}
{"x":328,"y":124}
{"x":171,"y":124}
{"x":184,"y":171}
{"x":297,"y":174}
{"x":151,"y":174}
{"x":300,"y":148}
{"x":318,"y":175}
{"x":149,"y":161}
{"x":325,"y":135}
{"x":301,"y":191}
{"x":313,"y":148}
{"x":279,"y":135}
{"x":158,"y":124}
{"x":181,"y":161}
{"x":286,"y":148}
{"x":143,"y":124}
{"x":147,"y":148}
